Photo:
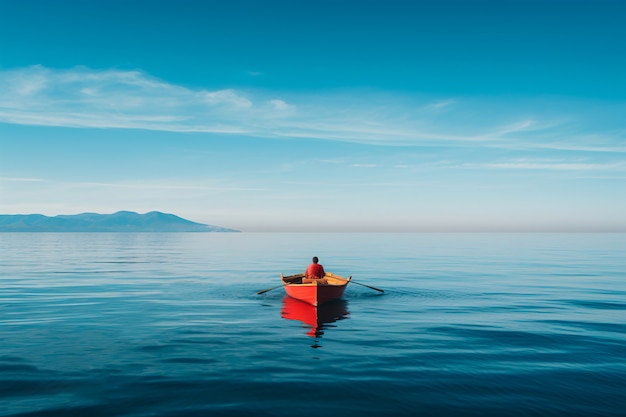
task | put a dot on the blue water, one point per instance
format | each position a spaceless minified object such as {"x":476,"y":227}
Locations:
{"x":171,"y":325}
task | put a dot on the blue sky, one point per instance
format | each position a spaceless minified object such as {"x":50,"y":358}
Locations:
{"x":318,"y":115}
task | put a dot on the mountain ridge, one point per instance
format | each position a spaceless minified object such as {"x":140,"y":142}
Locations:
{"x":121,"y":221}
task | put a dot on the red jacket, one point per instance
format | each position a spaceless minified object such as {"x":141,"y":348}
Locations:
{"x":315,"y":271}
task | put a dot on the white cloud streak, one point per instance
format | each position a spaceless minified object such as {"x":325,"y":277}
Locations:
{"x":442,"y":104}
{"x":540,"y":165}
{"x":16,"y":179}
{"x":86,"y":98}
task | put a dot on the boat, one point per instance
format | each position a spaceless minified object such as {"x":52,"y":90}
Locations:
{"x":316,"y":319}
{"x":315,"y":291}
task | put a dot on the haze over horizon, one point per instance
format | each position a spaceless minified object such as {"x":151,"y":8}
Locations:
{"x":318,"y":116}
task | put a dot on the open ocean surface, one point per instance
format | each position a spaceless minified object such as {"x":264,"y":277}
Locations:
{"x":171,"y":325}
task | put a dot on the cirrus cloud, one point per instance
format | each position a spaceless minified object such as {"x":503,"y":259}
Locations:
{"x":82,"y":97}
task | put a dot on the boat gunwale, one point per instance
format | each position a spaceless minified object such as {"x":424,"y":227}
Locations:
{"x":315,"y":284}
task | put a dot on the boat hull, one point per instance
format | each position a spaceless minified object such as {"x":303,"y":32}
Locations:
{"x":315,"y":292}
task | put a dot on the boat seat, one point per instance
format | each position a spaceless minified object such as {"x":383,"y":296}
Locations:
{"x":320,"y":281}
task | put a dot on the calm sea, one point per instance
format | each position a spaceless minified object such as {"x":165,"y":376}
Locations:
{"x":171,"y":325}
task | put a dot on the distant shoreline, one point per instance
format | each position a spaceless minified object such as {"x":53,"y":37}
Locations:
{"x":119,"y":222}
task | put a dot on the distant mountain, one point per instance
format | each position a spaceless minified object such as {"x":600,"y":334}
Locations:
{"x":122,"y":221}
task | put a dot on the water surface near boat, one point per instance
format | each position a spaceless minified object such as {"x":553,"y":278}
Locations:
{"x":171,"y":325}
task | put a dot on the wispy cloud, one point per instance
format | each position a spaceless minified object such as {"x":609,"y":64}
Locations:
{"x":281,"y":105}
{"x":157,"y":186}
{"x":17,"y":179}
{"x":442,"y":104}
{"x":365,"y":165}
{"x":228,"y":97}
{"x":86,"y":98}
{"x":546,"y":165}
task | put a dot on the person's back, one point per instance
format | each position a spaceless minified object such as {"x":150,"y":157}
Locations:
{"x":315,"y":270}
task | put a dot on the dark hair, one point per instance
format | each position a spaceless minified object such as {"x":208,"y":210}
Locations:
{"x":315,"y":260}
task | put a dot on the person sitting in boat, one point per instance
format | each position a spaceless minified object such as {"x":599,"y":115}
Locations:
{"x":315,"y":270}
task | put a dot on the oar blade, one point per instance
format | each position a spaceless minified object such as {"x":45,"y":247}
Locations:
{"x":368,"y":286}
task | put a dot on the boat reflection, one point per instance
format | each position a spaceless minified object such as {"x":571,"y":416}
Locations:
{"x":317,"y":318}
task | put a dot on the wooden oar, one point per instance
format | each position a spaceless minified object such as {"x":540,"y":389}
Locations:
{"x":269,"y":289}
{"x":273,"y":288}
{"x":374,"y":288}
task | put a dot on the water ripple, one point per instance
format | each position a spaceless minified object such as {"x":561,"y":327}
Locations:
{"x":469,"y":325}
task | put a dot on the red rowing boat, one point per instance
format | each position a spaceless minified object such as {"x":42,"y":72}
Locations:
{"x":315,"y":291}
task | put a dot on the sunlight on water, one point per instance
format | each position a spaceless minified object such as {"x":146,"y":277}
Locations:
{"x":170,"y":324}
